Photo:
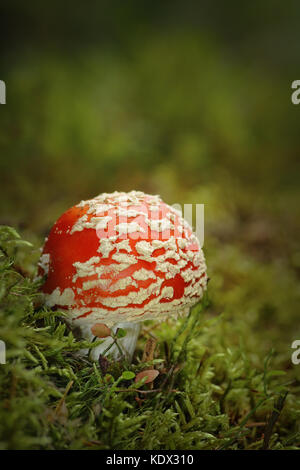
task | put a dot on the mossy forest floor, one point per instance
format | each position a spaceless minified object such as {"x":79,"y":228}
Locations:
{"x":193,"y":104}
{"x":221,"y":385}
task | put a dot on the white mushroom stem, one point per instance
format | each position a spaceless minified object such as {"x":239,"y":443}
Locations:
{"x":125,"y":346}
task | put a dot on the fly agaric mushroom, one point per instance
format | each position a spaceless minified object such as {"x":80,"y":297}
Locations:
{"x":120,"y":259}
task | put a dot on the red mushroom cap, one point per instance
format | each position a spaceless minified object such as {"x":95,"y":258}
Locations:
{"x":122,"y":257}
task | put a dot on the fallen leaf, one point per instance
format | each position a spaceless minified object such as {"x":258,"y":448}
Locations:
{"x":150,"y":375}
{"x":100,"y":330}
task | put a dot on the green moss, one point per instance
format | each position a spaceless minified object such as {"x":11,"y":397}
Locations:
{"x":217,"y":389}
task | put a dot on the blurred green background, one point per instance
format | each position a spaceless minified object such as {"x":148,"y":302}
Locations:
{"x":190,"y":100}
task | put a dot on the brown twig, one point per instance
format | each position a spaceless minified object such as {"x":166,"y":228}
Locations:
{"x":62,"y":400}
{"x":273,"y":418}
{"x":143,"y":391}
